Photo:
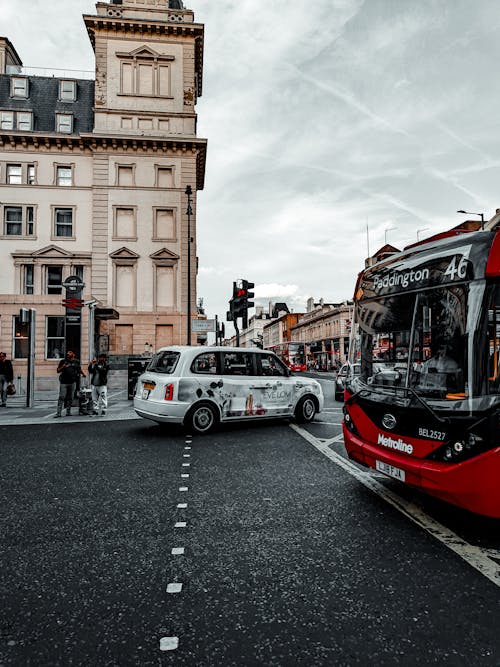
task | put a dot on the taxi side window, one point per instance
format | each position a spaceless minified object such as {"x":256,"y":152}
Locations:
{"x":205,"y":363}
{"x":270,"y":365}
{"x":237,"y":363}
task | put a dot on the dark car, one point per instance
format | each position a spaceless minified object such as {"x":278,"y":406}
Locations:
{"x":346,"y":371}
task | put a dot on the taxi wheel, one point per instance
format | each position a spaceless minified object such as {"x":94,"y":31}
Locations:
{"x":306,"y":409}
{"x":202,"y":418}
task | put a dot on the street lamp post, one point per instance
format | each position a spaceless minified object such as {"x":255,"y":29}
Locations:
{"x":189,"y":213}
{"x":481,"y":215}
{"x":387,"y":229}
{"x":422,"y":229}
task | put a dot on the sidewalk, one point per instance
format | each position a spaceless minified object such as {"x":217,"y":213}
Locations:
{"x":44,"y":409}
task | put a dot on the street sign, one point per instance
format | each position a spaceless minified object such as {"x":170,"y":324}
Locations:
{"x":72,"y":303}
{"x":73,"y":284}
{"x":202,"y":326}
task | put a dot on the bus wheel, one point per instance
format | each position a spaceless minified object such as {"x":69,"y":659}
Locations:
{"x":202,"y":418}
{"x":305,"y":409}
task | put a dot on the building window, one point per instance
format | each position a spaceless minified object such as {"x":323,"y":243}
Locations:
{"x":6,"y":120}
{"x":64,"y":123}
{"x":63,"y":222}
{"x":31,"y":174}
{"x":30,"y":221}
{"x":67,"y":90}
{"x":21,"y":347}
{"x":164,"y":177}
{"x":78,"y":271}
{"x":13,"y":216}
{"x":19,"y":87}
{"x":28,"y":279}
{"x":14,"y":174}
{"x":125,"y":175}
{"x":19,"y":221}
{"x":145,"y":74}
{"x":54,"y":279}
{"x":125,"y":223}
{"x":16,"y":120}
{"x":24,"y":120}
{"x":54,"y":337}
{"x":164,"y":224}
{"x":64,"y":176}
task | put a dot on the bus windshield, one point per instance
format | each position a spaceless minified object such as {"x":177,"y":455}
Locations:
{"x":416,"y":340}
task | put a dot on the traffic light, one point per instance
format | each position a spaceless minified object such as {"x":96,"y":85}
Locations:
{"x":246,"y":295}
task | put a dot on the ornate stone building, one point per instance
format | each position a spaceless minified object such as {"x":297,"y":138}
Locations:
{"x":93,"y":179}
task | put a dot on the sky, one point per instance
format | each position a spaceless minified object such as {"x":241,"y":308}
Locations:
{"x":333,"y":126}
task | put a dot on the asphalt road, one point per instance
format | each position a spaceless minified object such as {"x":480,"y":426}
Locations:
{"x":274,"y":550}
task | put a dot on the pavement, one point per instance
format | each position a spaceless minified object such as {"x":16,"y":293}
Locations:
{"x":44,"y":409}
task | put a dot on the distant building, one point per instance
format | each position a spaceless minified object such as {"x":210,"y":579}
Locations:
{"x":325,"y":328}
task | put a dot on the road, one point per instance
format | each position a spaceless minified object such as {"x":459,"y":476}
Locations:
{"x":124,"y":543}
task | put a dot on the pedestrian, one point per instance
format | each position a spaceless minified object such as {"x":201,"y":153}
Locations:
{"x":6,"y":378}
{"x":69,"y":371}
{"x":98,"y":372}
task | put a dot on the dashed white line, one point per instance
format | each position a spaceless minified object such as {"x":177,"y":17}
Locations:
{"x":174,"y":587}
{"x":182,"y":506}
{"x":186,"y":465}
{"x":177,"y":551}
{"x":169,"y":643}
{"x":477,"y":557}
{"x":184,"y":475}
{"x":180,"y":524}
{"x":183,"y":488}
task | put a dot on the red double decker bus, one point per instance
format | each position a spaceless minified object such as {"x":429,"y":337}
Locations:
{"x":292,"y":354}
{"x":424,"y":408}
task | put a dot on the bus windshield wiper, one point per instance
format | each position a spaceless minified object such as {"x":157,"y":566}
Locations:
{"x":422,"y":401}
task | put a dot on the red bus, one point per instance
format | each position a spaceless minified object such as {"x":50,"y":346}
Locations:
{"x":292,"y":354}
{"x":424,"y":408}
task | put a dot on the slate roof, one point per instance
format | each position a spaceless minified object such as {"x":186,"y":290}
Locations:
{"x":44,"y":103}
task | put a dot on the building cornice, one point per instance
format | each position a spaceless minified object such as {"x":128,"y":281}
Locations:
{"x":110,"y":143}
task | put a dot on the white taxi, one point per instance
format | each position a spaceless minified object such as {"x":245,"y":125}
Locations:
{"x":202,"y":386}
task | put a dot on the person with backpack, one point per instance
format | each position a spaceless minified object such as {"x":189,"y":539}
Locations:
{"x":98,"y":373}
{"x":69,"y":371}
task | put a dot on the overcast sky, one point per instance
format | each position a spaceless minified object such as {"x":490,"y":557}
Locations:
{"x":322,"y":118}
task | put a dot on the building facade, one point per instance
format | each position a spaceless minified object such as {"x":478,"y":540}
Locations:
{"x":95,"y":181}
{"x":326,"y":329}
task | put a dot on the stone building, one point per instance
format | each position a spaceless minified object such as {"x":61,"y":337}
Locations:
{"x":93,"y":179}
{"x":325,"y":328}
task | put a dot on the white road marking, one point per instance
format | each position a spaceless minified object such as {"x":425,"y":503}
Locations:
{"x":169,"y":643}
{"x":187,"y":447}
{"x":182,"y":506}
{"x":174,"y":587}
{"x":316,"y":421}
{"x":183,"y":488}
{"x":184,"y":475}
{"x":186,"y":465}
{"x":477,"y":557}
{"x":186,"y":456}
{"x":178,"y":551}
{"x":180,"y":524}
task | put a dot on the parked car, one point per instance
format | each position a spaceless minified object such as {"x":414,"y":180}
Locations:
{"x":345,"y":371}
{"x":202,"y":386}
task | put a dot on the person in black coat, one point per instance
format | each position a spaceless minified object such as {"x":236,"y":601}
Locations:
{"x":6,"y":378}
{"x":69,"y":371}
{"x":98,"y":373}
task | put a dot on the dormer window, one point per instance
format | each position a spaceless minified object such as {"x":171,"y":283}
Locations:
{"x":64,"y":123}
{"x":67,"y":90}
{"x":145,"y":72}
{"x":19,"y":87}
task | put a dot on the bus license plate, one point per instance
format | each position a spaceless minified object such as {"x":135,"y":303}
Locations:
{"x":387,"y":469}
